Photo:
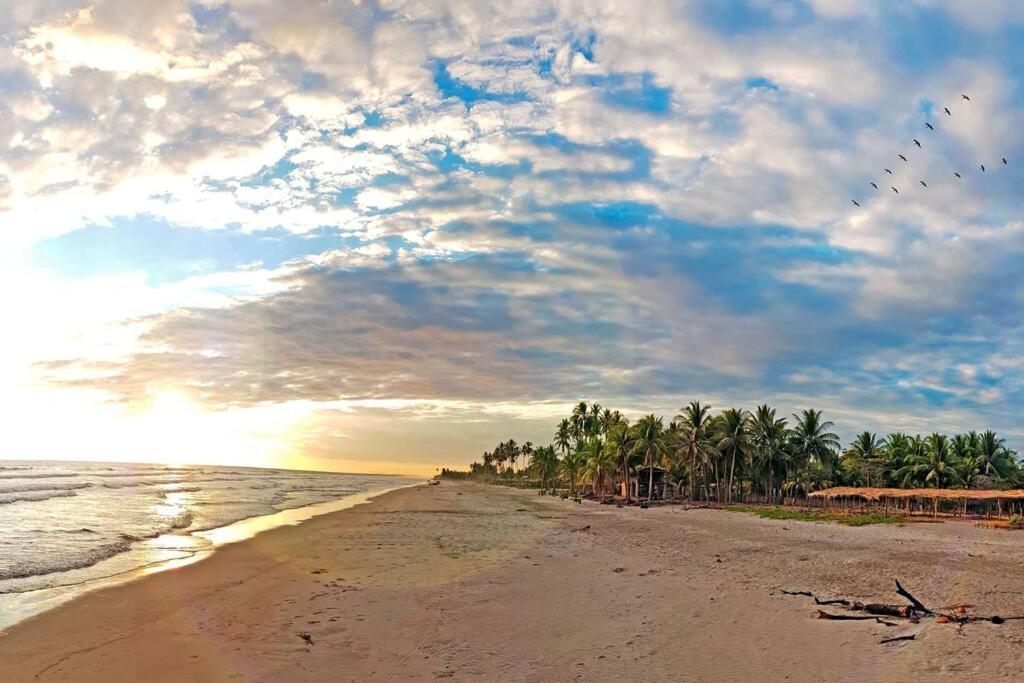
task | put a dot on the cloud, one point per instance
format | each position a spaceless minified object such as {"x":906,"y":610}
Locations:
{"x":525,"y":201}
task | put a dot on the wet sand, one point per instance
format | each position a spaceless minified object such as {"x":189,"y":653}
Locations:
{"x":483,"y":583}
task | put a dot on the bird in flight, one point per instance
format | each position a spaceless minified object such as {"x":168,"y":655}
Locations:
{"x":902,"y":157}
{"x":983,"y":168}
{"x":888,"y":171}
{"x":966,"y":97}
{"x":895,"y":190}
{"x":1004,"y":162}
{"x":957,"y":174}
{"x":928,"y":126}
{"x":948,"y":113}
{"x":916,"y":142}
{"x":924,"y":183}
{"x":874,"y":186}
{"x":855,"y":202}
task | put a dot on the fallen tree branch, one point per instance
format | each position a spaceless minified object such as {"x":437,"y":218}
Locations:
{"x":913,"y":601}
{"x":913,"y":612}
{"x":844,"y":603}
{"x":822,"y":614}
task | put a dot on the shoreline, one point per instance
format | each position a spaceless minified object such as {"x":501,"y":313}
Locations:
{"x":473,"y":582}
{"x":17,"y":607}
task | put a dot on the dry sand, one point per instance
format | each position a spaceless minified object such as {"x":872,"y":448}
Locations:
{"x":484,"y":583}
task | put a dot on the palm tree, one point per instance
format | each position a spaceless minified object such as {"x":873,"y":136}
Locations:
{"x":601,"y":464}
{"x":608,"y":419}
{"x":563,"y":436}
{"x":806,"y":480}
{"x":997,"y":460}
{"x":694,"y":436}
{"x":734,"y":439}
{"x":931,"y":462}
{"x":895,"y":448}
{"x":769,"y":440}
{"x":572,"y":465}
{"x":578,"y":420}
{"x":813,"y":441}
{"x":621,"y":444}
{"x":867,"y":449}
{"x":650,"y":441}
{"x":544,"y":462}
{"x":526,"y":450}
{"x":594,"y":419}
{"x":968,"y":469}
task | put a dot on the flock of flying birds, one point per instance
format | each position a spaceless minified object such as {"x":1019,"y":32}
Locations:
{"x":917,"y":142}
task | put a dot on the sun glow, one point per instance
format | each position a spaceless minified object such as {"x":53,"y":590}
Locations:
{"x":179,"y":431}
{"x":176,"y":423}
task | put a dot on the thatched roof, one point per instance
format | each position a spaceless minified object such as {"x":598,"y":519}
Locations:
{"x":866,"y":493}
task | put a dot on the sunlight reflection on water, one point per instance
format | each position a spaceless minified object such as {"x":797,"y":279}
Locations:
{"x":169,"y":551}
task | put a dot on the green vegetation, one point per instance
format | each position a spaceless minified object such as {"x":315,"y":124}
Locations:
{"x":855,"y":519}
{"x":742,"y":456}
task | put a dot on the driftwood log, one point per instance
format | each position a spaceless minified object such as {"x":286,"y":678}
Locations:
{"x":913,"y":612}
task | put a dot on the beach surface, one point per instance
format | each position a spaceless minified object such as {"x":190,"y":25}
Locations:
{"x":470,"y":582}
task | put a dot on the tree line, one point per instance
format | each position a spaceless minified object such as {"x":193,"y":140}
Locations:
{"x":738,"y":454}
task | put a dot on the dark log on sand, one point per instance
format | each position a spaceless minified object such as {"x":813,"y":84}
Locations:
{"x":913,"y":612}
{"x":885,"y":610}
{"x":913,"y":601}
{"x":822,"y":614}
{"x":844,"y":603}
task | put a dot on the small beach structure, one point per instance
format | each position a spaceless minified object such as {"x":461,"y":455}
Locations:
{"x":957,"y":502}
{"x":638,"y":484}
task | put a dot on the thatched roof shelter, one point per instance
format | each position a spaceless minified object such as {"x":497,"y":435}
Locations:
{"x":876,"y":494}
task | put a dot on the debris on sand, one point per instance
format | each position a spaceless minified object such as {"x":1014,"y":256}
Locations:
{"x":913,"y":612}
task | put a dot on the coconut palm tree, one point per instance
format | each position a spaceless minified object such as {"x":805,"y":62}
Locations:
{"x":594,"y":420}
{"x":526,"y":450}
{"x":650,"y":442}
{"x":812,"y":440}
{"x":997,"y":460}
{"x":895,"y":448}
{"x":544,"y":462}
{"x":733,"y":441}
{"x":930,"y":462}
{"x":621,"y":444}
{"x":578,"y":420}
{"x":866,"y":449}
{"x":805,"y":480}
{"x":601,"y":464}
{"x":572,"y":465}
{"x":968,"y":469}
{"x":563,"y":436}
{"x":609,"y":418}
{"x":694,"y":437}
{"x":768,"y":437}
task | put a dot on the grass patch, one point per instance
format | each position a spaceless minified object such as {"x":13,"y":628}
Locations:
{"x":853,"y":519}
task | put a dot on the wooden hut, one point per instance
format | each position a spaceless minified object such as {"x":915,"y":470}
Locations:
{"x":935,"y":501}
{"x":638,"y":484}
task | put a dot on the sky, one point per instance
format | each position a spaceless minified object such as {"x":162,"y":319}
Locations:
{"x":382,"y":235}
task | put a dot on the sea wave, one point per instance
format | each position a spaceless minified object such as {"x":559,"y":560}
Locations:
{"x":182,"y":521}
{"x":38,"y":475}
{"x":41,"y":566}
{"x":42,"y":486}
{"x":18,"y":496}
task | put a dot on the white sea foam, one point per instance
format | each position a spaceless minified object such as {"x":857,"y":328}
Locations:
{"x":67,"y":521}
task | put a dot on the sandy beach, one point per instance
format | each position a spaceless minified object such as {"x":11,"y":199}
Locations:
{"x":471,"y":582}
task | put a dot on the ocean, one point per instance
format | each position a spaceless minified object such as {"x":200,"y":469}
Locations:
{"x":66,"y":526}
